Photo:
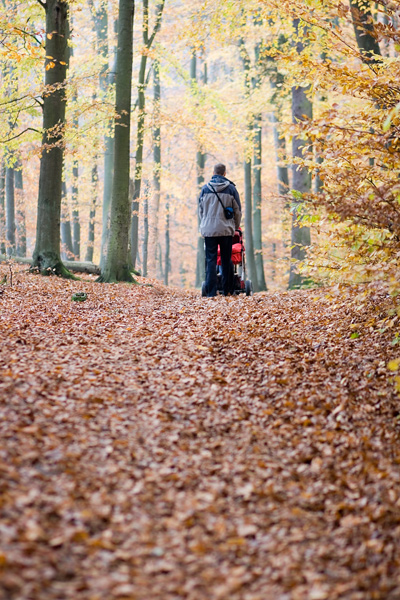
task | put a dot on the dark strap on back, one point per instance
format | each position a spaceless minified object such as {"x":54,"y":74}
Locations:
{"x":216,"y":193}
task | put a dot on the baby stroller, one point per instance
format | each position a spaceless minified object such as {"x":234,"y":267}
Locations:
{"x":241,"y":285}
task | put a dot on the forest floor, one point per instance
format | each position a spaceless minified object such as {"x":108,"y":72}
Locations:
{"x":157,"y":445}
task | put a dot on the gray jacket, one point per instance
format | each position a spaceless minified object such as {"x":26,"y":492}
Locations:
{"x":213,"y":222}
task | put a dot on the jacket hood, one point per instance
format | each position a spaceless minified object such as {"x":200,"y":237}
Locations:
{"x":219,"y":183}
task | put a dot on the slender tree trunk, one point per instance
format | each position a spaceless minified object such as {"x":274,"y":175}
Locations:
{"x":20,"y":212}
{"x":105,"y":82}
{"x":137,"y":183}
{"x":160,"y":269}
{"x":200,"y":166}
{"x":2,"y":208}
{"x":257,"y":166}
{"x":147,"y":40}
{"x":76,"y":224}
{"x":46,"y":256}
{"x":116,"y":266}
{"x":156,"y":156}
{"x":92,"y":216}
{"x":248,"y":196}
{"x":201,"y":255}
{"x":167,"y":260}
{"x":146,"y":234}
{"x":248,"y":224}
{"x":257,"y":199}
{"x":300,"y":239}
{"x":10,"y":211}
{"x":277,"y":80}
{"x":280,"y":152}
{"x":67,"y":249}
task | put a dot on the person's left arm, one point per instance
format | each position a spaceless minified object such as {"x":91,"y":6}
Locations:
{"x":237,"y":207}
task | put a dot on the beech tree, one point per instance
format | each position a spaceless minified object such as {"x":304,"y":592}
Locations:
{"x":117,"y":264}
{"x":301,"y":176}
{"x":46,"y":255}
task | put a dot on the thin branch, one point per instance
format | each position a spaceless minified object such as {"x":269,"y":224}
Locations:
{"x":19,"y":134}
{"x":30,"y":34}
{"x":42,"y":4}
{"x":157,"y":26}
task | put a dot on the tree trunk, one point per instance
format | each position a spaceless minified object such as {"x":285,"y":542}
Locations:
{"x":20,"y":212}
{"x":92,"y":216}
{"x":277,"y":80}
{"x":300,"y":239}
{"x":248,"y":225}
{"x":201,"y":255}
{"x":116,"y":267}
{"x":2,"y":208}
{"x":280,"y":152}
{"x":167,"y":260}
{"x":105,"y":82}
{"x":46,"y":256}
{"x":257,"y":198}
{"x":200,"y":165}
{"x":146,"y":234}
{"x":76,"y":225}
{"x":365,"y":31}
{"x":10,"y":211}
{"x":147,"y":41}
{"x":156,"y":156}
{"x":248,"y":199}
{"x":67,"y":249}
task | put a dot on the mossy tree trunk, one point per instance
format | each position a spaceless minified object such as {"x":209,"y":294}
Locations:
{"x":116,"y":266}
{"x":301,"y":176}
{"x":46,"y":256}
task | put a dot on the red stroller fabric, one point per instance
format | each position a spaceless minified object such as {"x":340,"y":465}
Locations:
{"x":236,"y":254}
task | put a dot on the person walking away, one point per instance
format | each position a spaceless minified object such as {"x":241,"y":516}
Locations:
{"x":220,"y":214}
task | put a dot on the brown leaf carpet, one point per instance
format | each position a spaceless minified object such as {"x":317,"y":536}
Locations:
{"x":157,"y":445}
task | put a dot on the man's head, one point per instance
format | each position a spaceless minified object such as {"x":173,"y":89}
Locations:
{"x":220,"y":169}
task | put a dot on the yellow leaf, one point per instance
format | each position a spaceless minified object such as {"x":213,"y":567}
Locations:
{"x":393,"y":365}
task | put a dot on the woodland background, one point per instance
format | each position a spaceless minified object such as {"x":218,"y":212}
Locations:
{"x":221,"y":81}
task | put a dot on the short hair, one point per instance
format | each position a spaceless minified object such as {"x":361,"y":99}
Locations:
{"x":220,"y":169}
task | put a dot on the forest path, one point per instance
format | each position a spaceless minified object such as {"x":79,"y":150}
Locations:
{"x":157,"y":445}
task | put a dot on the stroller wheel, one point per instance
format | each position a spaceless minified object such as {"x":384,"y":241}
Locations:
{"x":203,"y":289}
{"x":249,"y":287}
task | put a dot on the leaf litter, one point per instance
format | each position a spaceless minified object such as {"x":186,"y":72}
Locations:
{"x":155,"y":444}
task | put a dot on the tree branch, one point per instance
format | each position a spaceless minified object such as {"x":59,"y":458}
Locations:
{"x":42,"y":4}
{"x":19,"y":135}
{"x":157,"y":26}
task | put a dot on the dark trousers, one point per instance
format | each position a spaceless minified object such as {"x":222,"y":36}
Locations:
{"x":225,"y":244}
